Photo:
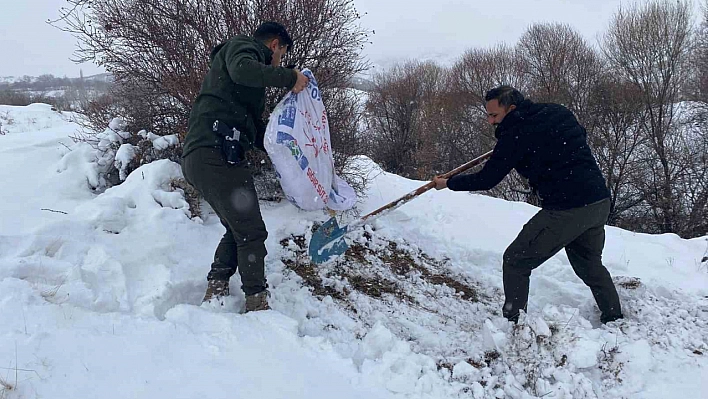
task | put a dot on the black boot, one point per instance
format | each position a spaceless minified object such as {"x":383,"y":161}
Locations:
{"x":608,"y":318}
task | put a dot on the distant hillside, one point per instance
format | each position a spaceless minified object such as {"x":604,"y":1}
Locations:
{"x":49,"y":82}
{"x":62,"y":92}
{"x":361,"y":83}
{"x":101,"y":77}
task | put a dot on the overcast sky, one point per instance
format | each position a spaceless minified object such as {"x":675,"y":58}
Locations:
{"x":431,"y":29}
{"x":29,"y":46}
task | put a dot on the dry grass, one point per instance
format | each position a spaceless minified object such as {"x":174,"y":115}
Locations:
{"x":191,"y":195}
{"x":609,"y":364}
{"x":631,"y":283}
{"x":402,"y":262}
{"x":6,"y":386}
{"x":50,"y":294}
{"x":358,"y":268}
{"x":312,"y":279}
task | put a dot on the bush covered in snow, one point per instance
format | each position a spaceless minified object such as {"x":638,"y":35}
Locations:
{"x":119,"y":152}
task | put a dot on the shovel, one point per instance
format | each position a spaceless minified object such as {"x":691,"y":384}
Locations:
{"x":328,"y":240}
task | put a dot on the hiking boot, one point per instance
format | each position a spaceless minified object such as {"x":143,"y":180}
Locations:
{"x":610,"y":318}
{"x":258,"y":301}
{"x":216,"y":289}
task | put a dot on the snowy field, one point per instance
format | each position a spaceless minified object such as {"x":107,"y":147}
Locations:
{"x":100,"y":296}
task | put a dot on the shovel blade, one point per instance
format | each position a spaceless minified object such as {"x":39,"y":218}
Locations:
{"x":327,"y":242}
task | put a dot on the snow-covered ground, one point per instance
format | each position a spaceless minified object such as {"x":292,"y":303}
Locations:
{"x":100,"y":296}
{"x":14,"y":79}
{"x":32,"y":118}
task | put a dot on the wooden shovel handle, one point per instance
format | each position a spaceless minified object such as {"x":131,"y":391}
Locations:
{"x":395,"y":204}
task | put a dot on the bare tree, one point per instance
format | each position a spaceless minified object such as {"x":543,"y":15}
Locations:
{"x":348,"y":137}
{"x":616,"y":117}
{"x":560,"y":66}
{"x":158,"y":52}
{"x":478,"y":71}
{"x":450,"y":126}
{"x":692,"y":185}
{"x":701,"y":62}
{"x":648,"y":46}
{"x":396,"y":112}
{"x":163,"y":46}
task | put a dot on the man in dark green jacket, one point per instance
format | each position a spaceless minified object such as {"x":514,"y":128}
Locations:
{"x":225,"y":122}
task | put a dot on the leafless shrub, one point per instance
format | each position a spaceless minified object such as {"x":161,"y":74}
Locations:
{"x":347,"y":132}
{"x":471,"y":77}
{"x":397,"y":108}
{"x":11,"y":97}
{"x":697,"y":88}
{"x":649,"y":46}
{"x":617,"y":120}
{"x":560,"y":66}
{"x":158,"y":52}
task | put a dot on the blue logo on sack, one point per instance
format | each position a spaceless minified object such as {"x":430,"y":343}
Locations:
{"x":290,"y":142}
{"x":315,"y":92}
{"x":287,"y":117}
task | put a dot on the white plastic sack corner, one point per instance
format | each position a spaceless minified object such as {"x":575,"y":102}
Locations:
{"x":298,"y":143}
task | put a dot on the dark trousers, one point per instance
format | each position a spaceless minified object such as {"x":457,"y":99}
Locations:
{"x":230,"y":191}
{"x":581,"y":231}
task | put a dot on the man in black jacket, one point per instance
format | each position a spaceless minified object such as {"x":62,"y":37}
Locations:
{"x":547,"y":146}
{"x":226,"y":121}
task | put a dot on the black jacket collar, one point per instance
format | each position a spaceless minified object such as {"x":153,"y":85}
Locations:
{"x":514,"y":117}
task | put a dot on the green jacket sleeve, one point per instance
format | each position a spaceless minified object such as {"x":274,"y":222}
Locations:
{"x":245,"y":69}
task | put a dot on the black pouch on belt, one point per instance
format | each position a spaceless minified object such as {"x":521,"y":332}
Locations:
{"x":230,"y":145}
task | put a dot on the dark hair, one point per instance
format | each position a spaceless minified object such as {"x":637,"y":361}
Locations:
{"x":273,"y":30}
{"x":506,"y":95}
